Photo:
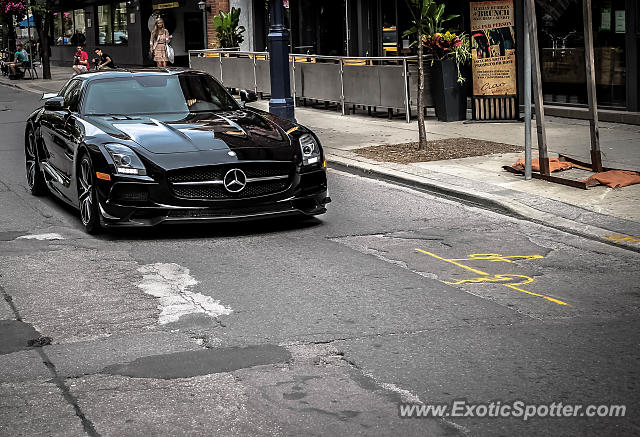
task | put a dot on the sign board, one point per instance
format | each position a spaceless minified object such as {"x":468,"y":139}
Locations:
{"x":166,"y":5}
{"x":493,"y":48}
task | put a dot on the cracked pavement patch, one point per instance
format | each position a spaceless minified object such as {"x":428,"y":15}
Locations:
{"x":93,"y":293}
{"x":200,"y":362}
{"x":316,"y":393}
{"x":32,"y":408}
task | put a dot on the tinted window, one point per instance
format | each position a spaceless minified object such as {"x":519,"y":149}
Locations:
{"x":72,"y":95}
{"x":64,"y":88}
{"x":157,"y":94}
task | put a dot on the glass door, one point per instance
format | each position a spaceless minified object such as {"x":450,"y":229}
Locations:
{"x":561,"y":39}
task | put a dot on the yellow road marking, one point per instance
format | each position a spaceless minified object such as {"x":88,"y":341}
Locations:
{"x":624,"y":237}
{"x":494,"y":278}
{"x":480,"y":272}
{"x":493,"y":257}
{"x":559,"y":302}
{"x":486,"y":277}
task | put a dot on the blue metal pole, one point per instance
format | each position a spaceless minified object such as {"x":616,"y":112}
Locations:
{"x":281,"y":103}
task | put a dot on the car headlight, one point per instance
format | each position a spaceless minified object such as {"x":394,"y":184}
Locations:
{"x":310,"y":149}
{"x":125,"y":159}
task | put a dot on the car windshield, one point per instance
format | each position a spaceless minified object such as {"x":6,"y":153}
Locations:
{"x":157,"y":94}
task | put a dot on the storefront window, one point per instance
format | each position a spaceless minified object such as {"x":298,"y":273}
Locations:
{"x":112,"y":24}
{"x":120,"y":35}
{"x":105,"y":30}
{"x":561,"y":36}
{"x":389,"y":29}
{"x":67,"y":26}
{"x":79,"y":34}
{"x":58,"y":35}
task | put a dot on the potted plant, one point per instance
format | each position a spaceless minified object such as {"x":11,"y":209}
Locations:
{"x":228,"y":29}
{"x":450,"y":53}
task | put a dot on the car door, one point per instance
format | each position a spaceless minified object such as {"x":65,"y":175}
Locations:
{"x":54,"y":133}
{"x":69,"y":134}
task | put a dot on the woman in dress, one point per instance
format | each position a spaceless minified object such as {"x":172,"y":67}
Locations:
{"x":159,"y":39}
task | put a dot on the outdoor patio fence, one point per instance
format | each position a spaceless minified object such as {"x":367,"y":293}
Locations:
{"x":389,"y":82}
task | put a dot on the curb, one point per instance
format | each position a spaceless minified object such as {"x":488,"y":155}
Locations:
{"x":498,"y":204}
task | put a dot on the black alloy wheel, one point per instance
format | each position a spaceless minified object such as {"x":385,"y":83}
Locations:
{"x":35,"y":179}
{"x":87,"y":199}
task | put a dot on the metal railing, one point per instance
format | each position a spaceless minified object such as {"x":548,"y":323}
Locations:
{"x":389,"y":82}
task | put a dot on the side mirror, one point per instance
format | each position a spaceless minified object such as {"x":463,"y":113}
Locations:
{"x":54,"y":103}
{"x":47,"y":96}
{"x":248,"y":96}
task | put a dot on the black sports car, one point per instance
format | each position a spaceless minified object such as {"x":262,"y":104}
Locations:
{"x":139,"y":148}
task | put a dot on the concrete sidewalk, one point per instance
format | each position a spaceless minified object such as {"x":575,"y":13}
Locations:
{"x":610,"y":215}
{"x":59,"y":76}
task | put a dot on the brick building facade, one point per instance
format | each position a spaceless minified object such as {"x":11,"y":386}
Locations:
{"x":216,"y":6}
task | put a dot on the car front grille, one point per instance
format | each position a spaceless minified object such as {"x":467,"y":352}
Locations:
{"x":207,"y":182}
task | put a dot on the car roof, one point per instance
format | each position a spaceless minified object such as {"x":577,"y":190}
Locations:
{"x":126,"y":72}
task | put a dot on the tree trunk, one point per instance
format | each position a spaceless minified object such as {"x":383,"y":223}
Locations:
{"x":11,"y":37}
{"x":43,"y":23}
{"x":422,"y":133}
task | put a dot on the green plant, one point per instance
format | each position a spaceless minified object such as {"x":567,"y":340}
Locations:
{"x":448,"y":45}
{"x":226,"y":25}
{"x":428,"y":17}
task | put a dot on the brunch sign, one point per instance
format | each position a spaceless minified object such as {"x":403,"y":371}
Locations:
{"x":493,"y":48}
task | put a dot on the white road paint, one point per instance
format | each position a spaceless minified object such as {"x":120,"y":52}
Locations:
{"x":405,"y":395}
{"x":171,"y":284}
{"x":41,"y":237}
{"x":408,"y":397}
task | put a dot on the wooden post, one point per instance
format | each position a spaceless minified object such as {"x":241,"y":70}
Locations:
{"x":543,"y":154}
{"x":596,"y":158}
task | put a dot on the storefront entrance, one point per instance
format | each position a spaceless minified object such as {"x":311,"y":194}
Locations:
{"x":561,"y":39}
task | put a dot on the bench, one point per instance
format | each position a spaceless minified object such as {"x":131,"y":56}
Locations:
{"x":32,"y":69}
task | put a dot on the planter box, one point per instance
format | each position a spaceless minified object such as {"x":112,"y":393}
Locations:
{"x":450,"y":97}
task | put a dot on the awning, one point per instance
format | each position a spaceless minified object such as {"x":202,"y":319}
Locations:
{"x":23,"y":23}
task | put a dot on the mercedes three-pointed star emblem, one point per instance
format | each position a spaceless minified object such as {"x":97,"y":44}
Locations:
{"x":235,"y":180}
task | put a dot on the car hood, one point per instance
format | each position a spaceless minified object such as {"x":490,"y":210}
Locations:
{"x":193,"y":132}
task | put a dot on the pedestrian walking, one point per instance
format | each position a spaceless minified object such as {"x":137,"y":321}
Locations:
{"x":160,"y":38}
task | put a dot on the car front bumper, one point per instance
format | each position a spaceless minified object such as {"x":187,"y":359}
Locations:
{"x":137,"y":203}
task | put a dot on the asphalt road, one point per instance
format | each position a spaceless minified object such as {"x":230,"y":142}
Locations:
{"x":318,"y":328}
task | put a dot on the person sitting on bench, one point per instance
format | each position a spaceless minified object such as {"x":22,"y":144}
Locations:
{"x":19,"y":60}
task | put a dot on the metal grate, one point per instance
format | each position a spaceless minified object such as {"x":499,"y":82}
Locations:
{"x":217,"y":172}
{"x":253,"y":189}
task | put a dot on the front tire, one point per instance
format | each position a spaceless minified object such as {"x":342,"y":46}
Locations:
{"x":35,"y":179}
{"x":87,"y":199}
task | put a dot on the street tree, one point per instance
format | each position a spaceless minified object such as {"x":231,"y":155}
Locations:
{"x":428,"y":19}
{"x":42,"y":18}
